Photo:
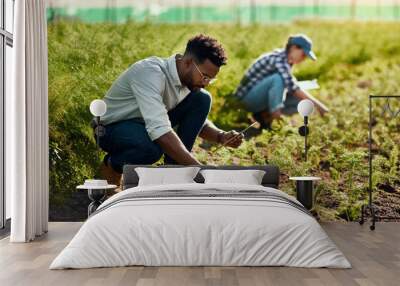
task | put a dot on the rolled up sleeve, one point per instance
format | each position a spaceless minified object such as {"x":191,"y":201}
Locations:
{"x":148,"y":84}
{"x":288,"y":79}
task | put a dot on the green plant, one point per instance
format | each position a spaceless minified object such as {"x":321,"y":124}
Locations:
{"x":354,"y":60}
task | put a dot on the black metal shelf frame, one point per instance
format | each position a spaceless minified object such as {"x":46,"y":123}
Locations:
{"x":369,"y":210}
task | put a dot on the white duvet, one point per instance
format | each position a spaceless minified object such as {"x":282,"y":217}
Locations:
{"x":190,"y":231}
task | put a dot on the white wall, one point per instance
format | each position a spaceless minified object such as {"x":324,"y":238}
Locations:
{"x":8,"y":85}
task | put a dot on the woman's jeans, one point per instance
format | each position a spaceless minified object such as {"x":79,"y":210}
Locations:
{"x":268,"y":95}
{"x":127,"y":142}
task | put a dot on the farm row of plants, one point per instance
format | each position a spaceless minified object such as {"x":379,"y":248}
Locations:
{"x":355,"y":59}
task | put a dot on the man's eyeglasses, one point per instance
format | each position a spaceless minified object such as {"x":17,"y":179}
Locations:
{"x":205,"y":78}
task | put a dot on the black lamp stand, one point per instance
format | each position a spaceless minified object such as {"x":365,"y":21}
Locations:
{"x":304,"y":131}
{"x":99,"y":131}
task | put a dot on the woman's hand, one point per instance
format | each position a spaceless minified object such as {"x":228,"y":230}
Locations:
{"x":322,"y":110}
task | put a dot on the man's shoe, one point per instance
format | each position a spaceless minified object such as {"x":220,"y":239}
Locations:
{"x":260,"y":119}
{"x":109,"y":174}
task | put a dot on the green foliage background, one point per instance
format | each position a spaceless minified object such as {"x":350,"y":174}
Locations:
{"x":355,"y":60}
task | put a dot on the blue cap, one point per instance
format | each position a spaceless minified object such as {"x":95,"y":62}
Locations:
{"x":305,"y":43}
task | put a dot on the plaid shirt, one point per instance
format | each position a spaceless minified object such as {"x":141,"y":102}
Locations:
{"x":268,"y":64}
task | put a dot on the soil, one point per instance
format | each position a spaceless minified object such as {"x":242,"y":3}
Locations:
{"x":74,"y":208}
{"x":388,"y":204}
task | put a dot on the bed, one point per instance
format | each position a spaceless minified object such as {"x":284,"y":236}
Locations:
{"x":199,"y":224}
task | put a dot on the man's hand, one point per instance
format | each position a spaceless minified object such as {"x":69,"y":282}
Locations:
{"x":231,"y":139}
{"x":211,"y":133}
{"x":173,"y":146}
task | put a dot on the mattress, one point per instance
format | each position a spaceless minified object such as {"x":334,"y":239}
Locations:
{"x":201,"y":225}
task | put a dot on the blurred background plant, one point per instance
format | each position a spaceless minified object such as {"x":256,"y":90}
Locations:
{"x":355,"y":60}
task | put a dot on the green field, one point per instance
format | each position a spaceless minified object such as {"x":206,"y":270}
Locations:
{"x":355,"y":59}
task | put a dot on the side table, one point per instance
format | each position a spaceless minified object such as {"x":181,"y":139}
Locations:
{"x":305,"y":190}
{"x":96,"y":194}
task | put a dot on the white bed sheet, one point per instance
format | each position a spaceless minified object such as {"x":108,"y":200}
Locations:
{"x":200,"y":232}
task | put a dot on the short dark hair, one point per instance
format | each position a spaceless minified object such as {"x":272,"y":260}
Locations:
{"x":203,"y":47}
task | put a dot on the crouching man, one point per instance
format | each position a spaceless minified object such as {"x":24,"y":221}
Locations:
{"x":155,"y":96}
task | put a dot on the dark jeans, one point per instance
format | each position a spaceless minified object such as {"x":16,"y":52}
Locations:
{"x":127,"y":142}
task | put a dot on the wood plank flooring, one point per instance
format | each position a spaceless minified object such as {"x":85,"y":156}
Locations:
{"x":375,"y":256}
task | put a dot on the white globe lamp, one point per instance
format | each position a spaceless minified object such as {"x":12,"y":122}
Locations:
{"x":98,"y":107}
{"x":305,"y":108}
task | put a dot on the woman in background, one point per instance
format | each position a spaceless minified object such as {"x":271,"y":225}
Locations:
{"x":263,"y":86}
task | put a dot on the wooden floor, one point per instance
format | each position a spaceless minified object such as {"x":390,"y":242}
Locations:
{"x":375,"y":257}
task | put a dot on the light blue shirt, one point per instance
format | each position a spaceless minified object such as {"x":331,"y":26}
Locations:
{"x":148,"y":89}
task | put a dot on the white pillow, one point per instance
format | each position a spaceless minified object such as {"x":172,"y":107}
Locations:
{"x":248,"y":177}
{"x":164,"y":176}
